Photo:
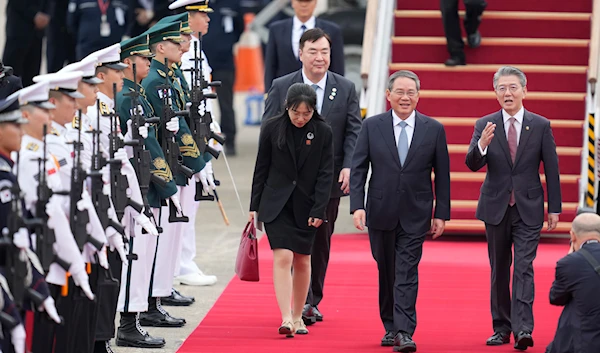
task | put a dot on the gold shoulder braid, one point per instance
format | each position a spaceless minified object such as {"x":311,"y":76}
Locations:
{"x":162,"y":169}
{"x":161,"y":72}
{"x":190,"y":149}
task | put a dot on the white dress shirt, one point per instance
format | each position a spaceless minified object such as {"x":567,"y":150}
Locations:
{"x":320,"y":90}
{"x":410,"y":127}
{"x":506,"y":118}
{"x":297,"y":32}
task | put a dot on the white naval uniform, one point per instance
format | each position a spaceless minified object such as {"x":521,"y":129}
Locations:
{"x":132,"y":293}
{"x":187,"y":251}
{"x":66,"y":248}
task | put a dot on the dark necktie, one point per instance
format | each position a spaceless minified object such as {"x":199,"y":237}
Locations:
{"x":512,"y":146}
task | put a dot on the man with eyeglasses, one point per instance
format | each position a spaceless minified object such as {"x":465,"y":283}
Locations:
{"x":337,"y":103}
{"x":511,"y":202}
{"x":402,"y":147}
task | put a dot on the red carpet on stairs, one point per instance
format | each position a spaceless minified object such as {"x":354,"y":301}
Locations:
{"x":547,"y":39}
{"x":453,"y":304}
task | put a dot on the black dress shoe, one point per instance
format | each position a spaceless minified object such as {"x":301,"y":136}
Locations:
{"x":317,"y":314}
{"x":131,"y":334}
{"x":474,"y":40}
{"x":176,"y":299}
{"x":523,"y":340}
{"x":157,"y":316}
{"x":388,"y":339}
{"x":455,"y":61}
{"x":498,"y":339}
{"x":308,"y":316}
{"x":403,"y":342}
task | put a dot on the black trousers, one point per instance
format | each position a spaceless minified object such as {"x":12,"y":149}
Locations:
{"x":320,"y":253}
{"x":397,"y":254}
{"x":450,"y":19}
{"x":24,"y":55}
{"x":107,"y":297}
{"x":225,"y":95}
{"x":517,"y":314}
{"x":60,"y":46}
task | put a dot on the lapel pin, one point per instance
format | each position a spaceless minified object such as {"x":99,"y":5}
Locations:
{"x":310,"y":136}
{"x":334,"y":89}
{"x":330,"y":98}
{"x":527,"y":128}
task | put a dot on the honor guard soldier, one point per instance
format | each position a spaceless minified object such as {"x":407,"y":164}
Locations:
{"x":187,"y":271}
{"x":136,"y":277}
{"x":51,"y":208}
{"x":84,"y":220}
{"x":25,"y":275}
{"x":161,"y":86}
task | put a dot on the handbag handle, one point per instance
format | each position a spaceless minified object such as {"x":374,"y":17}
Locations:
{"x":250,"y":233}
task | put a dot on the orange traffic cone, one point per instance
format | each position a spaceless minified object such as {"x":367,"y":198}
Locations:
{"x":249,"y":65}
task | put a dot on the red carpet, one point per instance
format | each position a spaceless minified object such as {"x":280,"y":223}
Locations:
{"x":453,"y":304}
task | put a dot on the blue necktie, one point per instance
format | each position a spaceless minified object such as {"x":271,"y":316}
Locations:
{"x":403,"y":143}
{"x":303,"y":28}
{"x":316,"y":88}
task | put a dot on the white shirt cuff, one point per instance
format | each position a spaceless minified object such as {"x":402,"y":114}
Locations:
{"x":482,"y":151}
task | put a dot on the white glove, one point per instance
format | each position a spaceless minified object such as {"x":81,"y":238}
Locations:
{"x":49,"y":307}
{"x":214,"y":126}
{"x":81,"y":280}
{"x":146,"y":223}
{"x":116,"y":243}
{"x":17,"y":335}
{"x":143,"y":131}
{"x":121,"y":155}
{"x":210,"y":175}
{"x":173,"y":125}
{"x":102,"y":258}
{"x":176,"y":203}
{"x":201,"y":108}
{"x":201,"y":177}
{"x":21,"y":239}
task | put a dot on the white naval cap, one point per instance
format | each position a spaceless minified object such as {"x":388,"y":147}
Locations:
{"x":191,"y":5}
{"x":88,"y":67}
{"x":109,"y":57}
{"x":36,"y":95}
{"x":65,"y":82}
{"x":10,"y":112}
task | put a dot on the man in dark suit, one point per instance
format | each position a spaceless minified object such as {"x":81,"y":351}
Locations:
{"x":25,"y":23}
{"x":338,"y":105}
{"x":402,"y":147}
{"x":576,"y":287}
{"x":511,"y":202}
{"x":282,"y":57}
{"x":9,"y":83}
{"x":454,"y":41}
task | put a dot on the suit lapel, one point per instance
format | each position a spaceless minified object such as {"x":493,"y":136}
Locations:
{"x":287,"y":35}
{"x":419,"y":133}
{"x":306,"y":142}
{"x":386,"y":127}
{"x":501,"y":137}
{"x":525,"y":133}
{"x":330,"y":92}
{"x":289,"y":138}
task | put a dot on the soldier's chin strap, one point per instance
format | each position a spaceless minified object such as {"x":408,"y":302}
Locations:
{"x":237,"y":194}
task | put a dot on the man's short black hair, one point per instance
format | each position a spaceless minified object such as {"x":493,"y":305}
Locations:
{"x":313,"y":35}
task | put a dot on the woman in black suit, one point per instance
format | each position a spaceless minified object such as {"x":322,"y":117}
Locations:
{"x":290,"y":191}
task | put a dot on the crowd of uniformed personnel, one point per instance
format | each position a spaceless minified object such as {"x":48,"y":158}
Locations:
{"x":102,"y":166}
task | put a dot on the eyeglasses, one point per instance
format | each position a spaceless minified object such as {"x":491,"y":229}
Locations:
{"x":512,"y":88}
{"x":409,"y":93}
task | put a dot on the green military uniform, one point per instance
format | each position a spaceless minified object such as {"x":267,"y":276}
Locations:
{"x":159,"y":74}
{"x":183,"y":87}
{"x":158,"y":165}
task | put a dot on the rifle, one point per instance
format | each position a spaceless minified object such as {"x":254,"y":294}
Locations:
{"x":141,"y":156}
{"x":118,"y":181}
{"x":45,"y":237}
{"x":200,"y":124}
{"x":80,"y":219}
{"x":100,"y":200}
{"x":17,"y":266}
{"x":169,"y":143}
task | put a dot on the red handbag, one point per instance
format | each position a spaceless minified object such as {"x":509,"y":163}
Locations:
{"x":246,"y":263}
